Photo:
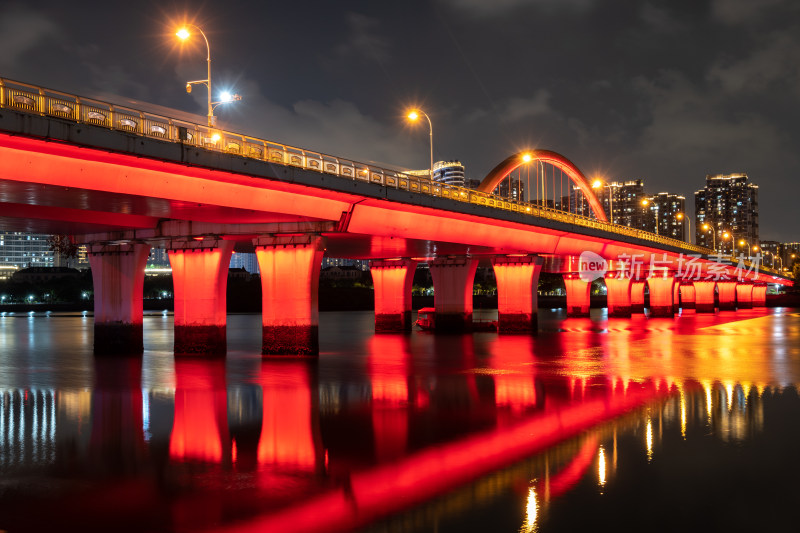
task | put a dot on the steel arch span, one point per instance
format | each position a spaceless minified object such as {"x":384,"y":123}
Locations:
{"x":510,"y":164}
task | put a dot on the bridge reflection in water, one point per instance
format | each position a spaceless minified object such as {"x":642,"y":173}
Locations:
{"x":426,"y":426}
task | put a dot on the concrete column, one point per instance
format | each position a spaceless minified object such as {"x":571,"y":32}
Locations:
{"x":517,"y":293}
{"x":727,"y":295}
{"x":118,"y":278}
{"x":676,"y":297}
{"x":637,"y":296}
{"x":759,"y":295}
{"x":704,"y":295}
{"x":392,"y":281}
{"x":200,"y":280}
{"x":577,"y":295}
{"x":289,"y":291}
{"x":452,"y":292}
{"x":661,"y":294}
{"x":744,"y":295}
{"x":688,"y":295}
{"x":618,"y":288}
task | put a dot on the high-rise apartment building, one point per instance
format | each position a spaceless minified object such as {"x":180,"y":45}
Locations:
{"x":661,"y":215}
{"x":728,"y":203}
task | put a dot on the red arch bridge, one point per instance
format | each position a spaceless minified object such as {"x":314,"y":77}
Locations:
{"x":122,"y":181}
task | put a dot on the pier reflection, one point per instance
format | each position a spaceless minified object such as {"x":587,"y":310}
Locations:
{"x":425,"y":429}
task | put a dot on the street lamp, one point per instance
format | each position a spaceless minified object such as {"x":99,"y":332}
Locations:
{"x":226,"y":97}
{"x":596,"y":184}
{"x":682,"y":217}
{"x":413,"y":116}
{"x":706,"y":229}
{"x":645,"y":203}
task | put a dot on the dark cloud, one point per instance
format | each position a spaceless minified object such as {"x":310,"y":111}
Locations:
{"x":666,"y":91}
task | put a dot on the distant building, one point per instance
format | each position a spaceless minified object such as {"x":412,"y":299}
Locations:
{"x":790,"y":252}
{"x":158,"y":258}
{"x":772,"y":252}
{"x":728,"y":203}
{"x":449,"y":173}
{"x":23,"y":250}
{"x":627,"y":204}
{"x":360,"y":264}
{"x":247,"y":261}
{"x":661,"y":215}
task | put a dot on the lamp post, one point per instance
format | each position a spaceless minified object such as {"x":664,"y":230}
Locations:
{"x":596,"y":184}
{"x":413,"y":116}
{"x":225,"y":97}
{"x":706,"y":229}
{"x":682,"y":217}
{"x":645,"y":203}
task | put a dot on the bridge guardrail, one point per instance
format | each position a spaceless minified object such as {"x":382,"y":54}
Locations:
{"x":47,"y":102}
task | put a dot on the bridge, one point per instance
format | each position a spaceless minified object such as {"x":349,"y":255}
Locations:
{"x":122,"y":180}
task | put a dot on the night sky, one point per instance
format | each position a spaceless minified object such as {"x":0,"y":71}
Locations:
{"x":664,"y":91}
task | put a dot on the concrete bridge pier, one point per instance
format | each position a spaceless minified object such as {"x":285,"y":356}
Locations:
{"x":759,"y":295}
{"x":517,"y":293}
{"x":704,"y":295}
{"x":676,"y":297}
{"x":727,"y":295}
{"x":688,"y":297}
{"x":637,"y":296}
{"x":290,"y":268}
{"x":577,"y":295}
{"x":453,"y":279}
{"x":118,"y":279}
{"x":618,"y":289}
{"x":744,"y":295}
{"x":200,"y":280}
{"x":392,"y":281}
{"x":661,"y":295}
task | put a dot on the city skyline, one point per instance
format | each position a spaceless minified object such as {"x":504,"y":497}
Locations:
{"x":662,"y":91}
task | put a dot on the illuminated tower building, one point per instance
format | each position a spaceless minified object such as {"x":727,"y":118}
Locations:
{"x":449,"y":173}
{"x":728,"y":203}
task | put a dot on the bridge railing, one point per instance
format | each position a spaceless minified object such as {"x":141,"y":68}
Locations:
{"x":47,"y":102}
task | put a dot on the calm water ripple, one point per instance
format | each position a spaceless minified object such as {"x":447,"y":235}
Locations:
{"x":646,"y":424}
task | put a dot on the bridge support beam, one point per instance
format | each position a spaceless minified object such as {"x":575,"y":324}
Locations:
{"x":452,"y":292}
{"x":118,"y":279}
{"x":661,"y":294}
{"x":577,"y":295}
{"x":727,"y":295}
{"x":637,"y":296}
{"x":200,"y":281}
{"x":392,"y":281}
{"x":688,"y":295}
{"x":289,"y":293}
{"x":704,"y":295}
{"x":618,"y":289}
{"x":744,"y":295}
{"x":517,"y":293}
{"x":759,"y":295}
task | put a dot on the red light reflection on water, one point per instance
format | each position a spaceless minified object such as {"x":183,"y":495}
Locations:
{"x":287,"y":438}
{"x":200,"y":428}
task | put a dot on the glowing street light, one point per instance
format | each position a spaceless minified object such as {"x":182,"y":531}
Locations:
{"x":413,"y":116}
{"x":225,"y":97}
{"x":596,"y":184}
{"x":709,"y":229}
{"x":682,"y":217}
